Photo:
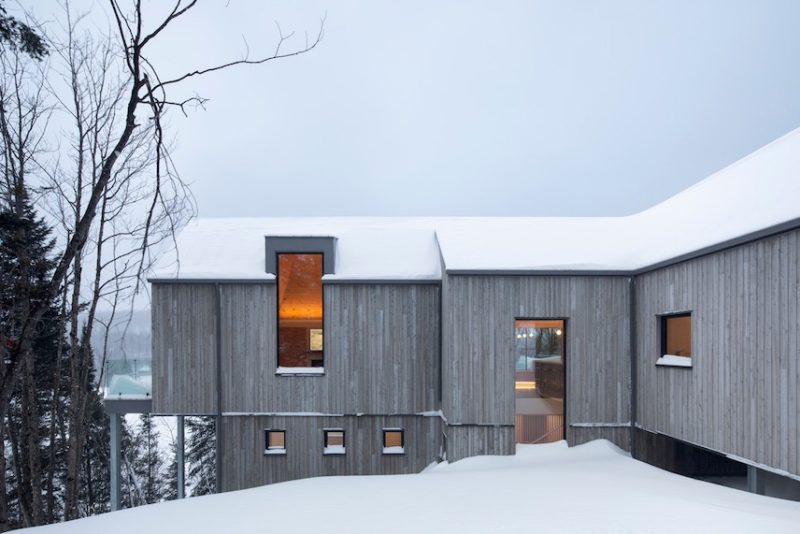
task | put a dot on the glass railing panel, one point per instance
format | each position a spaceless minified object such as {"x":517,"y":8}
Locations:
{"x":127,"y":379}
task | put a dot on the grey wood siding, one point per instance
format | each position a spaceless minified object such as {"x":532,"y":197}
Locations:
{"x":381,"y":347}
{"x":464,"y":441}
{"x":468,"y":440}
{"x":184,"y":348}
{"x":245,"y":465}
{"x":741,"y":396}
{"x":620,"y":436}
{"x":478,"y":346}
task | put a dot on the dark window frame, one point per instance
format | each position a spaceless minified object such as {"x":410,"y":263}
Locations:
{"x":278,"y":311}
{"x":662,"y":333}
{"x":402,"y":440}
{"x":300,"y":245}
{"x":325,"y":432}
{"x":267,"y":432}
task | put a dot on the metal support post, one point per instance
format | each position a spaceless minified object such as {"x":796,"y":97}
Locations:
{"x":180,"y":459}
{"x":115,"y":460}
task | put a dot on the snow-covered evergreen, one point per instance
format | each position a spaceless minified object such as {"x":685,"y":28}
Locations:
{"x":201,"y":455}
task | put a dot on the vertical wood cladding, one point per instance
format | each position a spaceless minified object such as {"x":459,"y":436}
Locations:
{"x":381,"y":350}
{"x":478,"y":347}
{"x":245,"y":465}
{"x":464,"y":441}
{"x":741,"y":395}
{"x":184,"y":348}
{"x":381,"y":345}
{"x":382,"y":356}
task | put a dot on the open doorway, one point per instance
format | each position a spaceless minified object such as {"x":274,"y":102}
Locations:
{"x":539,"y":379}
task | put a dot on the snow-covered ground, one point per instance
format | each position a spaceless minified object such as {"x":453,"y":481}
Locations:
{"x":544,"y":488}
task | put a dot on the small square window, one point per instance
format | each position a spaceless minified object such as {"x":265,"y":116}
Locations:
{"x":334,"y":441}
{"x":275,"y":441}
{"x":393,"y":441}
{"x":676,"y":340}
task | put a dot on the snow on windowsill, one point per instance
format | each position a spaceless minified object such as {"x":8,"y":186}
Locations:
{"x":333,"y":450}
{"x":127,"y":396}
{"x":670,"y":360}
{"x":275,"y":452}
{"x":297,"y":371}
{"x":393,"y":450}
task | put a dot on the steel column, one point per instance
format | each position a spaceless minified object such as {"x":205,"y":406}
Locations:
{"x":755,"y":482}
{"x":115,"y":460}
{"x":179,"y":457}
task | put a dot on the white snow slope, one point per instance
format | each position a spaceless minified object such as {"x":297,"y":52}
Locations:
{"x":544,"y":488}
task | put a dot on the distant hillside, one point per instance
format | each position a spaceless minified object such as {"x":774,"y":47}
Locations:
{"x":128,"y":336}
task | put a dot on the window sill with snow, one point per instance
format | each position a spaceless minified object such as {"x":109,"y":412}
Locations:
{"x":670,"y":360}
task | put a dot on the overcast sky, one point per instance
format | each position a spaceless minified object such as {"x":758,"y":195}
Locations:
{"x":477,"y":108}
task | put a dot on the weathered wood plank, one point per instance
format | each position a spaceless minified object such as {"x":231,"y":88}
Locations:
{"x":478,"y":346}
{"x":741,"y":396}
{"x":381,"y":347}
{"x":184,"y":349}
{"x":245,"y":465}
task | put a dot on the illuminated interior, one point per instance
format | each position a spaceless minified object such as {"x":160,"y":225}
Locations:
{"x":678,"y":334}
{"x":334,"y":438}
{"x":300,"y":336}
{"x":276,"y":439}
{"x":392,"y":438}
{"x":539,"y":380}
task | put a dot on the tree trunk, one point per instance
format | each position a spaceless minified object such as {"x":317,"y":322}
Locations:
{"x":75,"y":423}
{"x":4,"y":526}
{"x":23,"y":499}
{"x":30,"y":422}
{"x":55,"y":415}
{"x":75,"y":441}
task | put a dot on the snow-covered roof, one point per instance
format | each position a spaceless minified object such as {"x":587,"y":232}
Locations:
{"x":758,"y":192}
{"x":366,"y":248}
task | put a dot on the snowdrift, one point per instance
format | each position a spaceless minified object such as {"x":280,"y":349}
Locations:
{"x":544,"y":488}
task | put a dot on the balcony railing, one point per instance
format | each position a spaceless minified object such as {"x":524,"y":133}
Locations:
{"x":128,"y":379}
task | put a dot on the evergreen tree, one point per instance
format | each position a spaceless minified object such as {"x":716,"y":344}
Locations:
{"x":95,"y":495}
{"x":201,"y":455}
{"x":152,"y":465}
{"x":17,"y":34}
{"x":171,"y":479}
{"x":131,"y":451}
{"x":28,"y":435}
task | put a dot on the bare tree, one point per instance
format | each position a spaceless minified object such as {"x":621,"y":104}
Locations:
{"x":23,"y":119}
{"x":113,"y":191}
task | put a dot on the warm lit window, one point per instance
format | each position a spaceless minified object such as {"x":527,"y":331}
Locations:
{"x":393,"y":441}
{"x":300,"y":312}
{"x":676,"y":340}
{"x":334,"y":441}
{"x":275,"y":441}
{"x":539,"y":379}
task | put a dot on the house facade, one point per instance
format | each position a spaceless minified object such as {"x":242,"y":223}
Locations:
{"x":335,"y":346}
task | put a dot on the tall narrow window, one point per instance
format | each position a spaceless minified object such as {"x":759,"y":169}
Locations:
{"x":539,"y":380}
{"x":300,"y":311}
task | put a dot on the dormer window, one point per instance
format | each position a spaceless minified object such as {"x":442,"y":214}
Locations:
{"x":300,"y":324}
{"x":299,"y":263}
